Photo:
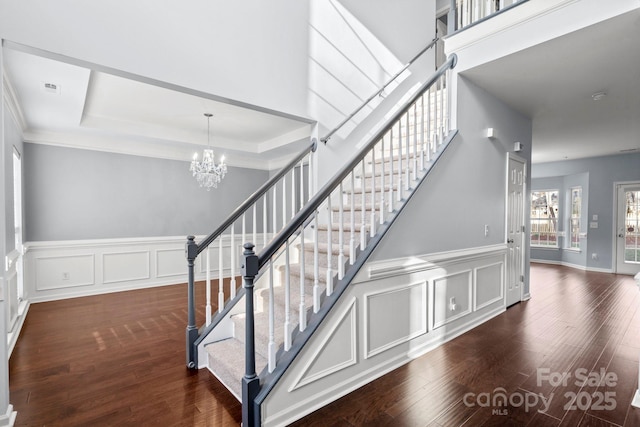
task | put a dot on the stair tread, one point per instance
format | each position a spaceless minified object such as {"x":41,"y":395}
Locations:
{"x":226,"y":361}
{"x":294,"y":270}
{"x":367,"y":190}
{"x":323,"y":248}
{"x":345,"y":227}
{"x":346,"y":207}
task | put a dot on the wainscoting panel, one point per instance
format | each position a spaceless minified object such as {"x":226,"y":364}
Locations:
{"x":451,"y":297}
{"x":60,"y":272}
{"x":488,"y":285}
{"x":337,"y":351}
{"x":67,"y":269}
{"x":394,"y":316}
{"x":396,"y":301}
{"x":170,"y":262}
{"x":125,"y":267}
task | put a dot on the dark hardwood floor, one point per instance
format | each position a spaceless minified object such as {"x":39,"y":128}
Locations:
{"x":118,"y":360}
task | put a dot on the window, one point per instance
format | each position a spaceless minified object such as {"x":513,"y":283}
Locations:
{"x":544,"y":218}
{"x":574,"y":221}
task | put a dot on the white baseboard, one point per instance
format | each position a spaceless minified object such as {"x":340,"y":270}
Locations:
{"x":9,"y":417}
{"x":570,"y":265}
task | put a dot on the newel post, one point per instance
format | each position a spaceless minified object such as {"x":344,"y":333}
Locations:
{"x":191,"y":252}
{"x":250,"y":381}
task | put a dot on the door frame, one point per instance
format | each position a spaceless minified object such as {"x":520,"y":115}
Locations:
{"x":614,"y":225}
{"x":516,"y":157}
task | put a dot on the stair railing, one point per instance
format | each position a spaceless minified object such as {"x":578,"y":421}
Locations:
{"x":465,"y":13}
{"x":252,"y":207}
{"x":386,"y":167}
{"x":266,"y":211}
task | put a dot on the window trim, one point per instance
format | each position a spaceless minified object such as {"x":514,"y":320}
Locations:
{"x":571,"y":218}
{"x":549,"y":220}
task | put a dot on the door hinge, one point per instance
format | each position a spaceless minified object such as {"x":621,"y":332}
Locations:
{"x":523,"y":229}
{"x":522,"y":278}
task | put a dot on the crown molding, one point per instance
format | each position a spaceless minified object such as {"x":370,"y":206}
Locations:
{"x":135,"y":147}
{"x":11,"y":101}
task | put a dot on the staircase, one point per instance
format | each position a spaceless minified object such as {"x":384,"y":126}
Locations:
{"x":331,"y":245}
{"x":303,"y":267}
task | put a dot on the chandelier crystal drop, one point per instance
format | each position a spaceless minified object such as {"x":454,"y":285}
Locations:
{"x":207,"y":172}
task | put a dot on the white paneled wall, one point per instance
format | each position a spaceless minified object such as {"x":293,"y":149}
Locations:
{"x":67,"y":269}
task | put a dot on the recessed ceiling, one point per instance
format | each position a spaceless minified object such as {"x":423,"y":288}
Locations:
{"x":74,"y":106}
{"x":553,"y":84}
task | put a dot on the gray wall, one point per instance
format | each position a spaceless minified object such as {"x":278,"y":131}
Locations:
{"x":75,"y":194}
{"x":603,"y":172}
{"x":467,"y":188}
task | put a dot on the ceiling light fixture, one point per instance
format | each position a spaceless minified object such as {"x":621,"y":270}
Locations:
{"x":598,"y":96}
{"x":207,"y":172}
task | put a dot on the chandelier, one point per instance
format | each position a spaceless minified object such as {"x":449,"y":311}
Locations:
{"x":207,"y":172}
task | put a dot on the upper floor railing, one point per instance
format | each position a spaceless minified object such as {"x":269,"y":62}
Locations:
{"x":465,"y":13}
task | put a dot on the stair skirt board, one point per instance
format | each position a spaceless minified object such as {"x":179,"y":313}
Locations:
{"x":354,"y":345}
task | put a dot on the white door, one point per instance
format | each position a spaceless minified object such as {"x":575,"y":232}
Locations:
{"x":628,"y":229}
{"x":515,"y":229}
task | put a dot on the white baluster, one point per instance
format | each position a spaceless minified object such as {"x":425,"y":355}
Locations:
{"x":264,"y":220}
{"x":303,"y":310}
{"x":275,"y":211}
{"x":441,"y":84}
{"x":301,"y":184}
{"x":293,"y":192}
{"x":255,"y":224}
{"x":429,"y":124}
{"x":272,"y":342}
{"x":310,"y":178}
{"x":372,"y":222}
{"x":220,"y":276}
{"x":363,"y":189}
{"x":352,"y":234}
{"x":449,"y":90}
{"x":208,"y":288}
{"x":382,"y":190}
{"x":329,"y":289}
{"x":340,"y":234}
{"x":288,"y":331}
{"x":400,"y":191}
{"x":391,"y":170}
{"x":233,"y":262}
{"x":408,"y":154}
{"x":415,"y":141}
{"x":422,"y":132}
{"x":316,"y":265}
{"x":244,"y":230}
{"x":284,"y":201}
